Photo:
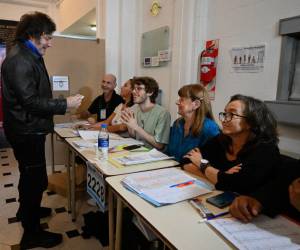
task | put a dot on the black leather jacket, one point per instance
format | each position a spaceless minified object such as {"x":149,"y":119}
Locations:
{"x":28,"y":106}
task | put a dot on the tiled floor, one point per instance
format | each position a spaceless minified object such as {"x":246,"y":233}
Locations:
{"x":60,"y":221}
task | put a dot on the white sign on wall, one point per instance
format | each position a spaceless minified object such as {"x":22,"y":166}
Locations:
{"x":60,"y":83}
{"x":248,"y":59}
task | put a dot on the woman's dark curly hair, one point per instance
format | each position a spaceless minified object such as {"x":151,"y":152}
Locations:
{"x":261,"y":121}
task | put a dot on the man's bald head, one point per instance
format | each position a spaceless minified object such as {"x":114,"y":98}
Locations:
{"x":109,"y":83}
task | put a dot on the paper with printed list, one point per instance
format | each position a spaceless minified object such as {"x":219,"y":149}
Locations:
{"x":262,"y":233}
{"x":165,"y":186}
{"x":150,"y":156}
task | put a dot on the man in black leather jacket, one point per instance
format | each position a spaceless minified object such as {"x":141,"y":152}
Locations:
{"x":28,"y":117}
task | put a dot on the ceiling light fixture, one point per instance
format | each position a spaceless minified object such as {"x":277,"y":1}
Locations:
{"x":93,"y":27}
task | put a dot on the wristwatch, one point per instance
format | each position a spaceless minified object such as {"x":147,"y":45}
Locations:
{"x":203,"y":165}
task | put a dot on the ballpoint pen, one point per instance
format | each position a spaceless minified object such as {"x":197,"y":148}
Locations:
{"x":214,"y":216}
{"x":183,"y":184}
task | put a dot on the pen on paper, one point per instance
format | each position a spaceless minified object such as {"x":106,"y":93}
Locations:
{"x":183,"y":184}
{"x":213,"y":217}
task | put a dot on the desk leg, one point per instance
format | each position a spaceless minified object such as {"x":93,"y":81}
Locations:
{"x":52,"y":153}
{"x":69,"y":162}
{"x":119,"y":224}
{"x":111,"y":219}
{"x":73,"y":191}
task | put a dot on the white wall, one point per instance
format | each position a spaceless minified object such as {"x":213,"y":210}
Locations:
{"x":243,"y":23}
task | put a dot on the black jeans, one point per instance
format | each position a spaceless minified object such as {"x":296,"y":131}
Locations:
{"x":29,"y":150}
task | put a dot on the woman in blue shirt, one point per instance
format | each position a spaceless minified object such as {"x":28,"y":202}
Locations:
{"x":196,"y":124}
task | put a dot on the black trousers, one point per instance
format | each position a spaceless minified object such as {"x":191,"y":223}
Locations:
{"x":29,"y":150}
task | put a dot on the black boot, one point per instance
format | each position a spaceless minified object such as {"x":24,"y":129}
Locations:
{"x":41,"y":238}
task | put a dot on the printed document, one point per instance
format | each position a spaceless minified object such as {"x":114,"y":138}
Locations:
{"x":150,"y":156}
{"x":165,"y":186}
{"x":263,"y":233}
{"x":93,"y":135}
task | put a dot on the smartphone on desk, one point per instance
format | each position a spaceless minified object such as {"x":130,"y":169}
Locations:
{"x":222,"y":200}
{"x":132,"y":147}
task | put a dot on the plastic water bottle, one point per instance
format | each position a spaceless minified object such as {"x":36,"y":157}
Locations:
{"x":103,"y":142}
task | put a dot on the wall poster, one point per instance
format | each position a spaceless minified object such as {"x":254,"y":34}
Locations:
{"x":248,"y":59}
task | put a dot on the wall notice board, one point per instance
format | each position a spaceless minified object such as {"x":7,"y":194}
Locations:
{"x":155,"y":46}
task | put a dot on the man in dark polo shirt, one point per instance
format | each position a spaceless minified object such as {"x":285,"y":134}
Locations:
{"x":104,"y":105}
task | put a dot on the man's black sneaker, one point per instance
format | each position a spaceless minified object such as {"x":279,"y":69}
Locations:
{"x":44,"y":212}
{"x":41,"y":238}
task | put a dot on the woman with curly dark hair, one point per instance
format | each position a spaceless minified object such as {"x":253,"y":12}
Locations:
{"x":245,"y":155}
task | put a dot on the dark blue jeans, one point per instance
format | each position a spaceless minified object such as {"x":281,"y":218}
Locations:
{"x":29,"y":150}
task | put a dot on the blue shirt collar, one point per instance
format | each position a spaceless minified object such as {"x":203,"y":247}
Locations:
{"x":32,"y":47}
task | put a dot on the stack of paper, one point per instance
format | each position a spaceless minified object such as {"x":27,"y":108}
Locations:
{"x":165,"y":186}
{"x":262,"y":233}
{"x":113,"y":144}
{"x":138,"y":158}
{"x":93,"y":135}
{"x":85,"y":144}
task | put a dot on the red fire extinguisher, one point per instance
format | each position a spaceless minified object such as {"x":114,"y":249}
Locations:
{"x":208,"y":63}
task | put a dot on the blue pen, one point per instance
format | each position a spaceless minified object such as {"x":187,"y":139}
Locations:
{"x":183,"y":184}
{"x":217,"y":215}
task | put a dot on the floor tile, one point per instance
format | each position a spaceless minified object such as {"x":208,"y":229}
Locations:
{"x":73,"y":233}
{"x":60,"y":221}
{"x":10,"y":200}
{"x":60,"y":210}
{"x":8,"y":185}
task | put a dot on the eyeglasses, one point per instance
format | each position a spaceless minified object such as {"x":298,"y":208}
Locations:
{"x":138,"y":88}
{"x":227,"y":116}
{"x":47,"y":37}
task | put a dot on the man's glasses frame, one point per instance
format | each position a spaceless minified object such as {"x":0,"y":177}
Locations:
{"x":227,"y":116}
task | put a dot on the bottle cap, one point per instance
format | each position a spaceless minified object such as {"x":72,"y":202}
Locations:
{"x":103,"y":125}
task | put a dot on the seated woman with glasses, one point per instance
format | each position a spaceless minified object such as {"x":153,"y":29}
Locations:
{"x":196,"y":124}
{"x":245,"y":155}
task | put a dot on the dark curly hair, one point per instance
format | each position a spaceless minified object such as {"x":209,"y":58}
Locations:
{"x":261,"y":121}
{"x":151,"y":85}
{"x":33,"y":25}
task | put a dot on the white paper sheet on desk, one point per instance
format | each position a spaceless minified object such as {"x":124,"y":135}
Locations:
{"x":124,"y":141}
{"x":150,"y":156}
{"x":93,"y":135}
{"x":88,"y":134}
{"x":169,"y":195}
{"x":64,"y":125}
{"x":85,"y":144}
{"x":263,"y":233}
{"x":159,"y":187}
{"x":156,"y":179}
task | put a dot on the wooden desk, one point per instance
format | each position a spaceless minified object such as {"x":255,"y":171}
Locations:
{"x":176,"y":225}
{"x":106,"y":168}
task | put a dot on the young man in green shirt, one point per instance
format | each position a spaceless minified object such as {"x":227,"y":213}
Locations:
{"x":151,"y":122}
